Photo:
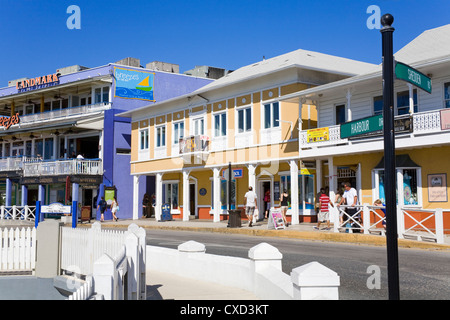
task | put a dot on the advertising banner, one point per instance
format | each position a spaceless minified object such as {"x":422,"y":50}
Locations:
{"x":134,"y":84}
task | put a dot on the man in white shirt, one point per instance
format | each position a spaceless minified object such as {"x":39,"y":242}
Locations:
{"x":250,"y":204}
{"x":351,"y":199}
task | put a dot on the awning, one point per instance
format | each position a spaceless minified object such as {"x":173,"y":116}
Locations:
{"x":401,"y":161}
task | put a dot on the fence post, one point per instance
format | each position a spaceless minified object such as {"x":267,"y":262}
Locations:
{"x":337,"y":220}
{"x":131,"y":247}
{"x":314,"y":281}
{"x":103,"y":274}
{"x":400,"y":222}
{"x":140,"y":233}
{"x":439,"y":223}
{"x":263,"y":255}
{"x":47,"y":254}
{"x":366,"y":218}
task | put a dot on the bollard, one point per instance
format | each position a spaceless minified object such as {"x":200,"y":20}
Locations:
{"x":314,"y":281}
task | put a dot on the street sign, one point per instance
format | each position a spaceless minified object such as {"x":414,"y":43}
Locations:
{"x":413,"y":76}
{"x":235,"y":173}
{"x":366,"y":126}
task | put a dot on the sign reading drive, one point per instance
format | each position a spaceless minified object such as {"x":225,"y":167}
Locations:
{"x":411,"y":75}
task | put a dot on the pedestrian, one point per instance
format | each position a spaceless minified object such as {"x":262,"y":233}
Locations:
{"x":267,"y":203}
{"x":337,"y":200}
{"x":285,"y":200}
{"x":379,"y":203}
{"x":250,"y":205}
{"x":114,"y":208}
{"x":102,"y":205}
{"x":350,"y":197}
{"x":324,"y":214}
{"x":145,"y":206}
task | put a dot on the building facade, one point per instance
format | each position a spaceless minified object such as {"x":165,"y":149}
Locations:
{"x":240,"y":120}
{"x":347,"y":144}
{"x":63,"y":140}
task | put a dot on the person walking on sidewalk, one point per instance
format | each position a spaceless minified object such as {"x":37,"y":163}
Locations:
{"x":250,"y":205}
{"x":284,"y":199}
{"x":102,"y":205}
{"x":114,"y":208}
{"x":324,"y":213}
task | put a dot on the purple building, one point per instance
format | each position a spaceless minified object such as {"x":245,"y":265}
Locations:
{"x":62,"y":140}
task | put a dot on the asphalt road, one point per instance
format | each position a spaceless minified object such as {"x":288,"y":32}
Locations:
{"x":424,"y":274}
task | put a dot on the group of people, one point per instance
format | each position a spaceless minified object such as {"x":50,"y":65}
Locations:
{"x":114,"y":208}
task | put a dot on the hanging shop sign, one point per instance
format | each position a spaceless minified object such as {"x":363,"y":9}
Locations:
{"x":38,"y":83}
{"x":7,"y":122}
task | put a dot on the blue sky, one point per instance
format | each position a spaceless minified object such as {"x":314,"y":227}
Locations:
{"x":229,"y":34}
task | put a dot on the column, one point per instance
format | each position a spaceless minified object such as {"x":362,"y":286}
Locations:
{"x":24,"y":195}
{"x":8,"y":192}
{"x":186,"y":200}
{"x":318,"y":175}
{"x":41,"y":194}
{"x":348,"y":106}
{"x":411,"y":98}
{"x":135,"y":197}
{"x":294,"y":191}
{"x":216,"y":195}
{"x":75,"y":197}
{"x":159,"y":196}
{"x":252,"y":176}
{"x":332,"y":179}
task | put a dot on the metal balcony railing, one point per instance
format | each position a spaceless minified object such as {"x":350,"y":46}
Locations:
{"x":63,"y":167}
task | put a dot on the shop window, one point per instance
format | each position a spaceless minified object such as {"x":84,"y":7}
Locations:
{"x":161,"y":136}
{"x":271,"y":115}
{"x":378,"y":105}
{"x":170,"y":194}
{"x":143,"y":145}
{"x":244,"y":120}
{"x":220,"y":124}
{"x":407,"y":190}
{"x":447,"y":95}
{"x":403,"y":102}
{"x":178,"y":132}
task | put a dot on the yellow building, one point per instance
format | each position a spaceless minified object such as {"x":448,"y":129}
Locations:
{"x":187,"y":143}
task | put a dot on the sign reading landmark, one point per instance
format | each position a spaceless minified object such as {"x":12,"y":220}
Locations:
{"x":134,"y":84}
{"x":38,"y":82}
{"x":413,"y":76}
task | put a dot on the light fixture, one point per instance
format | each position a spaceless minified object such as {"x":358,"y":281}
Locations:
{"x":32,"y":136}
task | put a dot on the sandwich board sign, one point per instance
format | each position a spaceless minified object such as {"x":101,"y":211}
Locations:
{"x":275,"y":219}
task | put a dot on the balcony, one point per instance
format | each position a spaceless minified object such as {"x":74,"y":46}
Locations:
{"x":67,"y":112}
{"x":423,"y":123}
{"x":63,"y":167}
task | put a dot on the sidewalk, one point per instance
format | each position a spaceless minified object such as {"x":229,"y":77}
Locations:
{"x":303,"y":231}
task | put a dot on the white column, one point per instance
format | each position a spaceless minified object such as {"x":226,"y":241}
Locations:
{"x":332,"y":183}
{"x":348,"y":106}
{"x":252,"y":176}
{"x":294,"y":192}
{"x":318,"y":175}
{"x":411,"y":98}
{"x":186,"y":202}
{"x":159,"y":199}
{"x":216,"y":195}
{"x":135,"y":197}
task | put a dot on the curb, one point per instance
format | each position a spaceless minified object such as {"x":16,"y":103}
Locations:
{"x":357,"y":239}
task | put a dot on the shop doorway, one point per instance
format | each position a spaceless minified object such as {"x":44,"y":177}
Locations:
{"x":264,"y":186}
{"x":192,"y":200}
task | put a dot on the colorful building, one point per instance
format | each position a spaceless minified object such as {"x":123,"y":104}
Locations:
{"x":51,"y":120}
{"x":348,"y":144}
{"x":242,"y":119}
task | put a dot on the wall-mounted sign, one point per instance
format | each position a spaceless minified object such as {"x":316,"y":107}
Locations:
{"x":134,"y":84}
{"x":9,"y":121}
{"x":38,"y":83}
{"x":56,"y":207}
{"x":317,"y":135}
{"x":437,"y":187}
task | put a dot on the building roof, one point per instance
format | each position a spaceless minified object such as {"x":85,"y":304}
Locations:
{"x":430,"y":45}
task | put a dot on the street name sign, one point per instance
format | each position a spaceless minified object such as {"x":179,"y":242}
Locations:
{"x":366,"y":126}
{"x":413,"y":76}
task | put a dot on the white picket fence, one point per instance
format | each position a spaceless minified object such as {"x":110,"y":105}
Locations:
{"x":82,"y":247}
{"x":17,"y":213}
{"x":17,"y":249}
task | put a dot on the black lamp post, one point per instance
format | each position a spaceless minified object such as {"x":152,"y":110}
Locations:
{"x":389,"y":156}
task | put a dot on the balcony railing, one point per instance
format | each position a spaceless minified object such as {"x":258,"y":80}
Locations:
{"x":47,"y":115}
{"x":423,"y":123}
{"x":63,"y":167}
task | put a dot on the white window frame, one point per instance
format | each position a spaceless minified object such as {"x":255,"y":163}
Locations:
{"x":244,"y":109}
{"x":165,"y":188}
{"x":102,"y":88}
{"x":446,"y":81}
{"x":222,"y":132}
{"x":144,"y":152}
{"x":160,"y":136}
{"x":193,"y":119}
{"x":272,"y":121}
{"x":177,"y":132}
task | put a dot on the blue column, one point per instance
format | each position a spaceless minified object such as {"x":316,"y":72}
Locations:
{"x":74,"y":204}
{"x":8,"y":192}
{"x":41,"y":194}
{"x":37,"y":214}
{"x":101,"y":193}
{"x":24,"y":195}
